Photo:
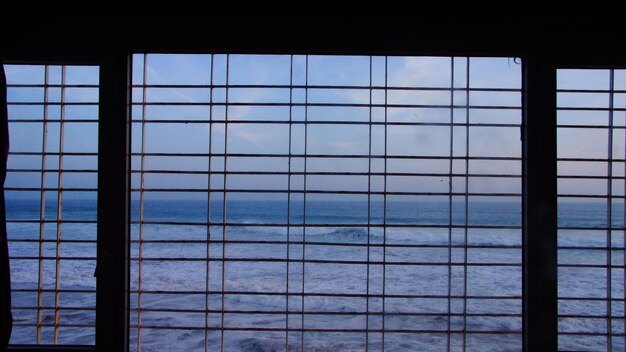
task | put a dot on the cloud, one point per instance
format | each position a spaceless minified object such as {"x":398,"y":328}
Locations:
{"x":341,"y":145}
{"x":174,"y":91}
{"x":254,"y":137}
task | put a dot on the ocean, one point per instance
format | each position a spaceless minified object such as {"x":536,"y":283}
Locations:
{"x":415,"y":281}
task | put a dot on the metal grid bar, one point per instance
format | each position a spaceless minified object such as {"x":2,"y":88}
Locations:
{"x":141,"y":203}
{"x":323,"y":122}
{"x":609,"y":213}
{"x":369,"y":210}
{"x":306,"y":115}
{"x":482,"y":107}
{"x":224,"y":317}
{"x":450,"y":169}
{"x":59,"y":217}
{"x":208,"y":241}
{"x":289,"y":173}
{"x":385,"y":153}
{"x":466,"y":208}
{"x":51,"y":305}
{"x":223,"y":279}
{"x":365,"y":87}
{"x":42,"y":207}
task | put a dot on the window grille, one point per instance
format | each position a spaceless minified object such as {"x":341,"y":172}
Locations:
{"x":51,"y":202}
{"x":591,"y":145}
{"x":371,"y":203}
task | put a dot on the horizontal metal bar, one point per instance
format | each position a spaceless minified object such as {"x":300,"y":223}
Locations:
{"x":325,"y":313}
{"x":319,"y":261}
{"x":297,"y":173}
{"x":242,"y":224}
{"x":55,"y":325}
{"x":320,"y":294}
{"x":338,"y":244}
{"x":330,"y":156}
{"x":594,"y":196}
{"x":282,"y":312}
{"x":337,"y":87}
{"x":612,"y":248}
{"x":332,"y":244}
{"x":65,"y":121}
{"x":50,"y":189}
{"x":594,"y":228}
{"x":308,"y":191}
{"x":50,"y":221}
{"x":311,"y":225}
{"x":65,"y":171}
{"x":324,"y":122}
{"x":53,"y":153}
{"x":280,"y":191}
{"x":54,"y":308}
{"x":336,"y":105}
{"x":584,"y":177}
{"x":587,"y":333}
{"x":603,"y":91}
{"x":53,"y":290}
{"x":65,"y":103}
{"x":592,"y":266}
{"x":321,"y":173}
{"x":593,"y":316}
{"x":53,"y":258}
{"x":591,"y":299}
{"x":592,"y":127}
{"x":443,"y":331}
{"x":51,"y":85}
{"x":592,"y":159}
{"x":566,"y":108}
{"x":50,"y":348}
{"x":344,"y":87}
{"x":50,"y":241}
{"x":286,"y":104}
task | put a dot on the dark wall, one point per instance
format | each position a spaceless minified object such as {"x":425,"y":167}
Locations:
{"x":577,"y":31}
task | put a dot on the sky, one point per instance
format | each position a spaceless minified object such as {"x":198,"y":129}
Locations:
{"x":328,"y":71}
{"x":397,"y":73}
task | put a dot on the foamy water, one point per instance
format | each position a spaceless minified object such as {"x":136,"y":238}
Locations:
{"x":323,"y":278}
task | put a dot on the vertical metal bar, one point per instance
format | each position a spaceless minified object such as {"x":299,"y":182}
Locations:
{"x":289,"y":204}
{"x":369,"y":215}
{"x":385,"y":209}
{"x":539,"y":212}
{"x":306,"y":120}
{"x":42,"y":203}
{"x":141,"y":198}
{"x":609,"y":214}
{"x":112,"y":271}
{"x":224,"y":201}
{"x":466,"y":197}
{"x":624,"y":239}
{"x":208,"y":216}
{"x":450,"y":181}
{"x":57,"y":286}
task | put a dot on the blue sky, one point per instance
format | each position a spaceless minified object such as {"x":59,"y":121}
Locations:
{"x":352,"y":71}
{"x":432,"y":72}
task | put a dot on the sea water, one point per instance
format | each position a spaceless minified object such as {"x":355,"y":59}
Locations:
{"x":415,"y":260}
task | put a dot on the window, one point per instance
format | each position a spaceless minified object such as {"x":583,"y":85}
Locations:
{"x":310,"y":180}
{"x":51,"y":192}
{"x":591,"y":209}
{"x":370,"y":202}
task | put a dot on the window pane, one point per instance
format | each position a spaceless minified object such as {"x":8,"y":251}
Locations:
{"x":51,"y":202}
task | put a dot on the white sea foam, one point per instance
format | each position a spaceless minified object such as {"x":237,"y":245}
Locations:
{"x":263,"y":269}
